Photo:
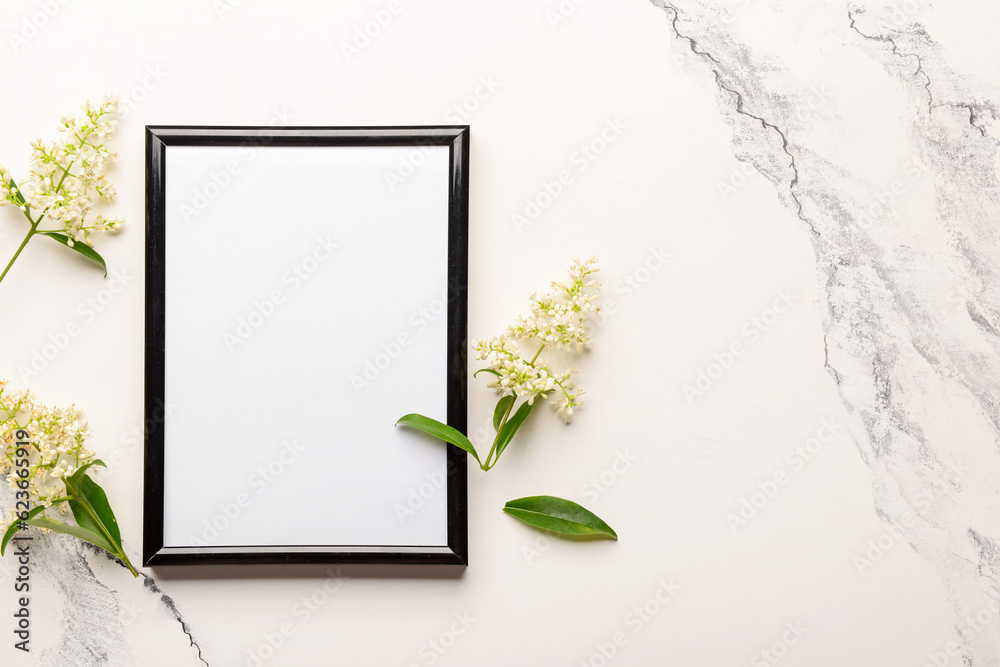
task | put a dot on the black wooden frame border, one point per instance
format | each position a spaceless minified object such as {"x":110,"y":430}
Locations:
{"x":157,"y":139}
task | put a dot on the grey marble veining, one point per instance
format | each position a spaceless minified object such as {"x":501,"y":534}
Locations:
{"x":883,"y":152}
{"x":92,"y":629}
{"x":104,"y":616}
{"x":887,"y":157}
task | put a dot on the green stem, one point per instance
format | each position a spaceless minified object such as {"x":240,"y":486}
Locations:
{"x":65,"y":174}
{"x":118,"y":552}
{"x":35,"y":223}
{"x":487,"y":465}
{"x":31,"y":232}
{"x":535,"y":358}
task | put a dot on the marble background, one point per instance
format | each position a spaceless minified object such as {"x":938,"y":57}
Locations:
{"x":792,"y":415}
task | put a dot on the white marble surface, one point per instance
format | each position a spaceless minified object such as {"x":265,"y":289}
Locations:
{"x":814,"y":183}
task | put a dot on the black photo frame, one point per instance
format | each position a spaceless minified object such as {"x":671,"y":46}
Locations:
{"x":305,"y":287}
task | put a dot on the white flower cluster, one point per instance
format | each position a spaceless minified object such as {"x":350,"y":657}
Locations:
{"x":559,"y":320}
{"x":66,"y":176}
{"x":559,"y":317}
{"x":56,"y":446}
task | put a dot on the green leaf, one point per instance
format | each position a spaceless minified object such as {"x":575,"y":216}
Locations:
{"x":99,"y":513}
{"x":16,"y":191}
{"x":75,"y":477}
{"x":75,"y":531}
{"x":14,"y":527}
{"x":81,"y":248}
{"x":510,"y":428}
{"x":486,"y":370}
{"x":439,"y":431}
{"x":501,"y":410}
{"x":94,"y":515}
{"x":558,"y":515}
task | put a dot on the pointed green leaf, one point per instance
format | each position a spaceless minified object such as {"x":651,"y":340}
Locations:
{"x":510,"y":428}
{"x":96,"y":521}
{"x":501,"y":410}
{"x":94,"y":515}
{"x":440,"y":431}
{"x":79,"y":247}
{"x":14,"y":527}
{"x":486,"y":370}
{"x":75,"y":477}
{"x":93,"y":512}
{"x":558,"y":515}
{"x":76,"y":531}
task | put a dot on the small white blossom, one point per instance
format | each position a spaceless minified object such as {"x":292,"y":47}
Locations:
{"x":559,"y":319}
{"x":560,"y":316}
{"x":66,"y":177}
{"x":56,"y":446}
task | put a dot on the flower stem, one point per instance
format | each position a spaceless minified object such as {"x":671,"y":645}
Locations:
{"x":535,"y":358}
{"x":31,"y":232}
{"x":126,"y":562}
{"x":486,"y":464}
{"x":85,"y":506}
{"x":35,"y":223}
